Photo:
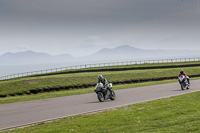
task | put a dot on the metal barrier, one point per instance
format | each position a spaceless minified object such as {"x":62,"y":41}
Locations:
{"x":98,"y":65}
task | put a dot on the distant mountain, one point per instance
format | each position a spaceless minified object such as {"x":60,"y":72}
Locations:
{"x":124,"y":51}
{"x":121,"y":49}
{"x":119,"y":53}
{"x":128,"y":52}
{"x":31,"y":57}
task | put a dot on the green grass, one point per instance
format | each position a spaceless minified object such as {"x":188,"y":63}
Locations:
{"x":175,"y":114}
{"x":31,"y":83}
{"x":11,"y":99}
{"x":26,"y":84}
{"x":127,"y":66}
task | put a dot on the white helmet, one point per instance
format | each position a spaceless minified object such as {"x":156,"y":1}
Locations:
{"x":100,"y":76}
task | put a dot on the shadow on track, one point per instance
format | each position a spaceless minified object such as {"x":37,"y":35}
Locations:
{"x":100,"y":102}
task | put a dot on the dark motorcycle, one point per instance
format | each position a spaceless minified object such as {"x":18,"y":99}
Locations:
{"x":104,"y":94}
{"x":184,"y":82}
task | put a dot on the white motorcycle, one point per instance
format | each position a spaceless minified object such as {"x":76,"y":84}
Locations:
{"x":184,"y":82}
{"x":103,"y":93}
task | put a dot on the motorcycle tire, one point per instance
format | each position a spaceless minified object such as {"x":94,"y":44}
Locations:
{"x":100,"y":96}
{"x":112,"y":96}
{"x":182,"y":86}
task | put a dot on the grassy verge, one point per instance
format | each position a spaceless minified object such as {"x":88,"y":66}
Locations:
{"x":11,"y":99}
{"x":124,"y":67}
{"x":175,"y":114}
{"x":31,"y":83}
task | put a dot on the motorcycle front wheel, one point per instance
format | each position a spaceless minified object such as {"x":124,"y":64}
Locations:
{"x":100,"y":96}
{"x":182,"y":86}
{"x":112,"y":96}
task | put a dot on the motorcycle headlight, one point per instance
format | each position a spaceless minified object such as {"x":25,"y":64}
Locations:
{"x":110,"y":85}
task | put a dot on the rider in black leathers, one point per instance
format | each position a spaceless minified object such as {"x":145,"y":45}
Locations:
{"x":102,"y":80}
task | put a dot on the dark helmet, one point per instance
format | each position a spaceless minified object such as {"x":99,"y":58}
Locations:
{"x":181,"y":71}
{"x":100,"y":76}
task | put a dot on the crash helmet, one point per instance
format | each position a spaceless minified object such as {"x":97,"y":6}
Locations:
{"x":181,"y":71}
{"x":100,"y":76}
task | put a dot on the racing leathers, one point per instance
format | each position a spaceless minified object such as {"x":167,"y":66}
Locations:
{"x":103,"y":81}
{"x":185,"y":76}
{"x":105,"y":84}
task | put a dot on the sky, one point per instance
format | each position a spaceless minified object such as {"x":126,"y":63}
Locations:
{"x":82,"y":27}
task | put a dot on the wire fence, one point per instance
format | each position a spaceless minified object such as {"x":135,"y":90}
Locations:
{"x":98,"y":65}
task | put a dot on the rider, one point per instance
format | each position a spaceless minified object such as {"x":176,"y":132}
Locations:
{"x":182,"y":73}
{"x":102,"y":80}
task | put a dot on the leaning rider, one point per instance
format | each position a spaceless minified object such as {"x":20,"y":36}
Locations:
{"x":183,"y":73}
{"x":102,"y":80}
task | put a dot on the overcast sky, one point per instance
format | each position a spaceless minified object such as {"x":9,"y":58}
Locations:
{"x":82,"y":27}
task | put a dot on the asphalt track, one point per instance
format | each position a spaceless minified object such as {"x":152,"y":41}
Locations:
{"x":32,"y":112}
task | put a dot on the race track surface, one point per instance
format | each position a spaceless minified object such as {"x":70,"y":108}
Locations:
{"x":31,"y":112}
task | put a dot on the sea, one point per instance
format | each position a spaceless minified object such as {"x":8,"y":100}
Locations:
{"x":23,"y":68}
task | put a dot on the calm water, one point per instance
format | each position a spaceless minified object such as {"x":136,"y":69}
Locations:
{"x":14,"y":69}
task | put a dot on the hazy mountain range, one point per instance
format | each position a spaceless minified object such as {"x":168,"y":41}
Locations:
{"x":121,"y":52}
{"x":31,"y":57}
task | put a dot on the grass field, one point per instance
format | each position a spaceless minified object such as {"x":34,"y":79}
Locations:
{"x":61,"y":93}
{"x":26,"y":84}
{"x":30,"y":83}
{"x":125,"y":66}
{"x":11,"y":99}
{"x":175,"y":114}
